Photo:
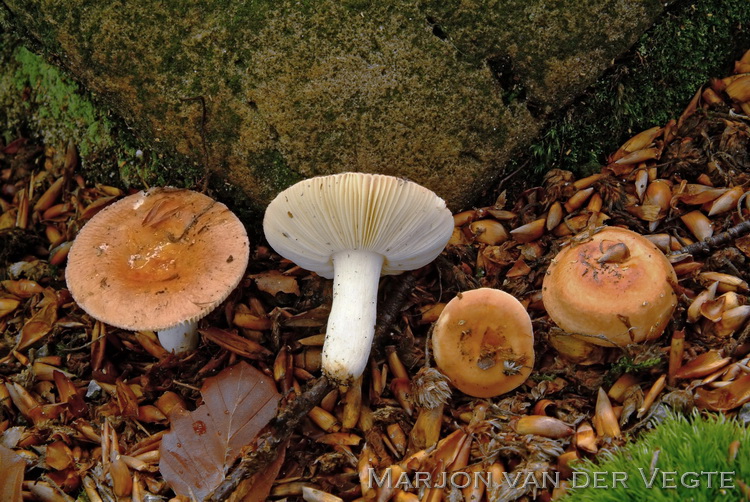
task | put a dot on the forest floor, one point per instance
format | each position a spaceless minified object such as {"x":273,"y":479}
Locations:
{"x":98,"y":413}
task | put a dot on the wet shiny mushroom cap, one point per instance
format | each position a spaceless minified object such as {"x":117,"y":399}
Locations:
{"x":483,"y":341}
{"x":611,"y":290}
{"x":157,"y":258}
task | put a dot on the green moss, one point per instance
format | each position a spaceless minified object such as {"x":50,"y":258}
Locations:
{"x":357,"y":5}
{"x":689,"y":447}
{"x":58,"y":107}
{"x":141,"y":169}
{"x":627,"y":364}
{"x":405,"y":88}
{"x":229,"y":127}
{"x":694,"y":40}
{"x":273,"y":167}
{"x":552,"y":49}
{"x":39,"y":100}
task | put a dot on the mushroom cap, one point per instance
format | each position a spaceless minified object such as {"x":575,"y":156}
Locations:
{"x":483,"y":341}
{"x":314,"y":219}
{"x":157,"y":258}
{"x":627,"y":299}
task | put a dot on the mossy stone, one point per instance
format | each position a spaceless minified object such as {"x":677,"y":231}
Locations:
{"x":267,"y":93}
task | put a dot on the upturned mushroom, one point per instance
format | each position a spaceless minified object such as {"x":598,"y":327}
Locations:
{"x":613,"y":289}
{"x":353,"y":228}
{"x":158,"y":260}
{"x":483,"y":341}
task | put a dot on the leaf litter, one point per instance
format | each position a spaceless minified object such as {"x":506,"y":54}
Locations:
{"x":88,"y":410}
{"x":12,"y":469}
{"x":237,"y":404}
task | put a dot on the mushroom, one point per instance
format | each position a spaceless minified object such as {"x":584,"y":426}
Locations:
{"x":483,"y":342}
{"x":612,"y":289}
{"x":158,"y":260}
{"x":353,"y":228}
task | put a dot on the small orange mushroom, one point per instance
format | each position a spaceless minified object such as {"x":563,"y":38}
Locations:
{"x":612,"y":290}
{"x":483,"y":342}
{"x":158,"y":260}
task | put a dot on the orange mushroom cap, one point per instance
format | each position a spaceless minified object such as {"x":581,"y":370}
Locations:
{"x":483,"y":342}
{"x":612,"y":290}
{"x":157,"y":258}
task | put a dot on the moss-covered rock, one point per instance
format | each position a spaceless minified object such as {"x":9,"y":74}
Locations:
{"x":36,"y":96}
{"x":267,"y":93}
{"x":693,"y":41}
{"x":38,"y":100}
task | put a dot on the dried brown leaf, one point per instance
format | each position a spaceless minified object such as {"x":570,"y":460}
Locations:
{"x":273,"y":282}
{"x":235,"y":343}
{"x":11,"y":468}
{"x":127,"y":401}
{"x":41,"y":322}
{"x":96,"y":206}
{"x":700,"y":194}
{"x":257,"y":487}
{"x":703,"y":365}
{"x":726,"y":398}
{"x":69,"y":394}
{"x":743,"y":244}
{"x":33,"y":331}
{"x":245,"y":318}
{"x":310,"y":319}
{"x":22,"y":288}
{"x":203,"y":444}
{"x":14,"y":146}
{"x":58,"y":456}
{"x":8,"y":305}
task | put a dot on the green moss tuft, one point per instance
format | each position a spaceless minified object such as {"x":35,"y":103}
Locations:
{"x":627,"y":364}
{"x":681,"y":445}
{"x":56,"y":105}
{"x":39,"y":100}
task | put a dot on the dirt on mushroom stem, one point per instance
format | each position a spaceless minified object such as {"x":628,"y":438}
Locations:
{"x":62,"y":372}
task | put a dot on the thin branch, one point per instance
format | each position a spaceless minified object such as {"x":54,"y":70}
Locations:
{"x":499,"y":186}
{"x":204,"y":143}
{"x":390,"y":310}
{"x":709,"y":244}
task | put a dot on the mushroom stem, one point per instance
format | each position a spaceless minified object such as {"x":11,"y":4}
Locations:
{"x":179,"y":338}
{"x":351,"y":323}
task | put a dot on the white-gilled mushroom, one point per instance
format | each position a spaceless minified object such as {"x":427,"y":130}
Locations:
{"x":158,"y":260}
{"x":353,"y":228}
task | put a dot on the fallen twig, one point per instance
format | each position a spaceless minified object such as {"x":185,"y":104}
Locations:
{"x":711,"y":243}
{"x":391,"y":307}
